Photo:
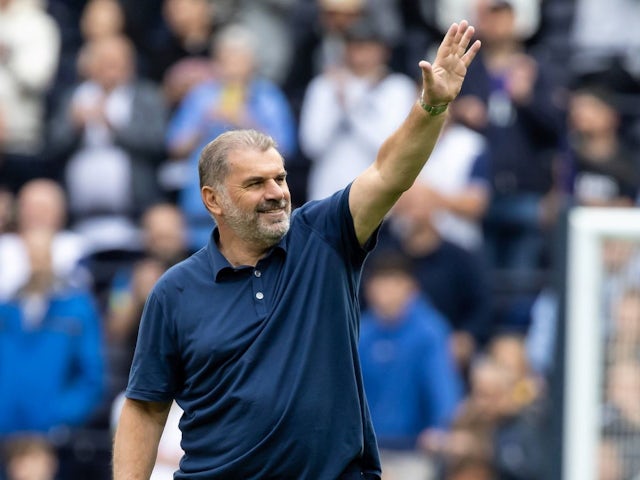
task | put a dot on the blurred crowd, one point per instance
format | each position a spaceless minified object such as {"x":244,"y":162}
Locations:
{"x":106,"y":104}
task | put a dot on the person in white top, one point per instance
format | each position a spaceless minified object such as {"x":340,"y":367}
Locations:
{"x":29,"y":54}
{"x":348,"y":111}
{"x":41,"y":204}
{"x":458,"y":181}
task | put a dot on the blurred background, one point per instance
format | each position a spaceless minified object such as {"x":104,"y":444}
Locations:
{"x":468,"y":315}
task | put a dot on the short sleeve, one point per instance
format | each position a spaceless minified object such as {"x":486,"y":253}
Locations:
{"x":153,"y":375}
{"x":332,"y":219}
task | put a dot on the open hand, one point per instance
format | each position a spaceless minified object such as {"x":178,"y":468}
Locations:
{"x":442,"y":80}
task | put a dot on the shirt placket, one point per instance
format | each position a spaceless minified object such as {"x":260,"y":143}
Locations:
{"x":259,"y":293}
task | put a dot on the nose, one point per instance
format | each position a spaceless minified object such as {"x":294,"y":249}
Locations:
{"x":275,"y":190}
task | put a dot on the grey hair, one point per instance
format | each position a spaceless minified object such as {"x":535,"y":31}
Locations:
{"x":213,"y":166}
{"x":236,"y":35}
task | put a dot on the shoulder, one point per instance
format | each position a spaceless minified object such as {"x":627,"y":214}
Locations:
{"x":265,"y":85}
{"x":182,"y":275}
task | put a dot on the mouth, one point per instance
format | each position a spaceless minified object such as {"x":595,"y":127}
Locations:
{"x":273,"y":212}
{"x":273,"y":209}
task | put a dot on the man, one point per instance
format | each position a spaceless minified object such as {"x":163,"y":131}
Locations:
{"x":255,"y":335}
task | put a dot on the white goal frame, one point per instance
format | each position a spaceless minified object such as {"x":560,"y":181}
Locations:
{"x":587,"y":228}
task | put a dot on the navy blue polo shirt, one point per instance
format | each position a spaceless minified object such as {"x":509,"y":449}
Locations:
{"x":264,"y":360}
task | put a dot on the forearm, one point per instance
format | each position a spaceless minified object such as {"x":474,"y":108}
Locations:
{"x":471,"y":203}
{"x":404,"y":153}
{"x":136,"y":440}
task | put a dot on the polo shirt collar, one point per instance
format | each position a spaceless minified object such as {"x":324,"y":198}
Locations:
{"x":221,"y":267}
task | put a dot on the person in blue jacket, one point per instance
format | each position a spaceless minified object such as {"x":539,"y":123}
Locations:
{"x":51,"y":363}
{"x":409,"y":374}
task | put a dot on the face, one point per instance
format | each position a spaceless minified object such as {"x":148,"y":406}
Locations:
{"x":366,"y":57}
{"x":183,"y":16}
{"x":255,"y":204}
{"x":589,"y":115}
{"x":234,"y":62}
{"x":494,"y":25}
{"x":627,"y":317}
{"x":388,"y":294}
{"x":41,"y":204}
{"x":164,"y":233}
{"x":102,"y":18}
{"x":112,"y":63}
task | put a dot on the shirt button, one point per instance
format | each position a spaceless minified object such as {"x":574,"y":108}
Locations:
{"x":259,"y":295}
{"x":257,"y":273}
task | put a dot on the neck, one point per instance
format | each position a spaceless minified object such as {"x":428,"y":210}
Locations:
{"x":239,"y":252}
{"x":195,"y":38}
{"x":38,"y":284}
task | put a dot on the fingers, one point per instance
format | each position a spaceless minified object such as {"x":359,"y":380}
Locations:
{"x":449,"y":41}
{"x":466,"y":34}
{"x":468,"y":57}
{"x":457,"y":38}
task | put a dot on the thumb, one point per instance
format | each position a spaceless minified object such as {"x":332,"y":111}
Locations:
{"x":427,"y":72}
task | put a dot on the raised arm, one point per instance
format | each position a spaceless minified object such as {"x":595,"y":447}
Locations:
{"x":137,"y":437}
{"x":405,"y":152}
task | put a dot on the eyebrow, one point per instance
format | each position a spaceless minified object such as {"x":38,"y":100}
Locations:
{"x":258,"y":178}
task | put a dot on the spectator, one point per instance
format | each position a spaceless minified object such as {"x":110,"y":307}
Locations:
{"x":407,"y":367}
{"x":269,"y":22}
{"x":182,"y":76}
{"x":620,"y":415}
{"x":30,"y":457}
{"x":450,"y":276}
{"x":184,"y":32}
{"x":496,"y":417}
{"x":109,"y":131}
{"x":605,"y":42}
{"x":348,"y":111}
{"x":164,"y":238}
{"x":29,"y":52}
{"x":456,"y":182}
{"x":604,"y":168}
{"x":178,"y":81}
{"x":625,"y":335}
{"x":101,"y":19}
{"x":318,"y":30}
{"x":40,"y":204}
{"x":621,"y":272}
{"x":236,"y":98}
{"x":509,"y":350}
{"x":507,"y":97}
{"x":527,"y":14}
{"x":51,"y":364}
{"x":610,"y":464}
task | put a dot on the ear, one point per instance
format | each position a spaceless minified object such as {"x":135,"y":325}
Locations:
{"x":210,"y":200}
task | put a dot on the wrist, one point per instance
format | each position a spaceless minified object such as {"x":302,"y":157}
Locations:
{"x":432,"y":110}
